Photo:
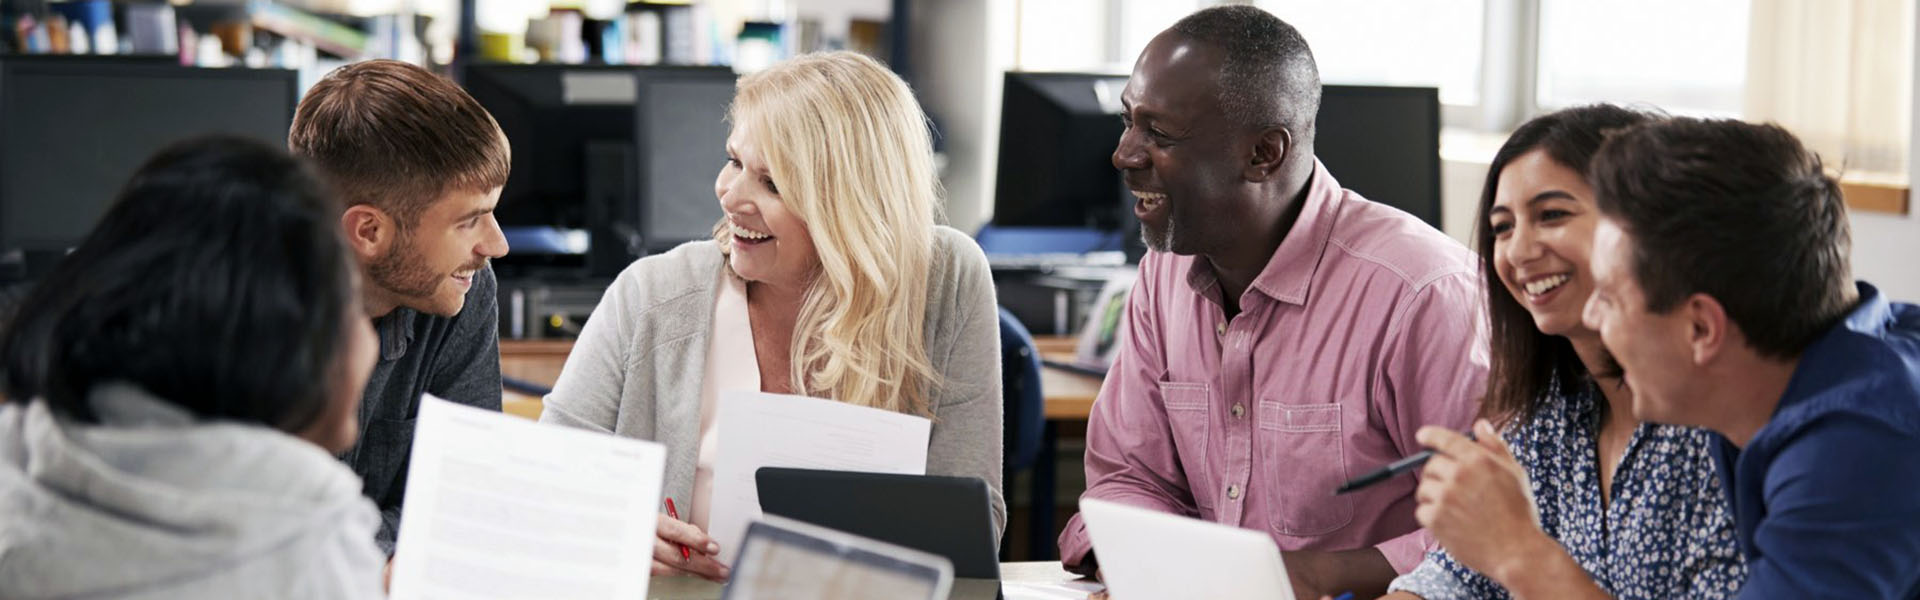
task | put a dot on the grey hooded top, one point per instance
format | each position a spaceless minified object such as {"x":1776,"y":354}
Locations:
{"x":151,"y":503}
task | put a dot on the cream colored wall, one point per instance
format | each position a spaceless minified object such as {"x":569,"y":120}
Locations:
{"x":959,"y":49}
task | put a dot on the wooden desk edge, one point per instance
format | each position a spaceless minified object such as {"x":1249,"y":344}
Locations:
{"x":1069,"y":395}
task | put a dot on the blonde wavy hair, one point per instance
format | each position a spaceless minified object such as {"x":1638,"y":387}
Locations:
{"x":853,"y":156}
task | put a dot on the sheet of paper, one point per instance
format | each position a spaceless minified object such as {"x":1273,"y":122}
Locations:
{"x":775,"y":430}
{"x":502,"y":507}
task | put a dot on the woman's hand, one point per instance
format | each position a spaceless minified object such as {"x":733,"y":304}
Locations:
{"x":1475,"y":499}
{"x":702,"y":560}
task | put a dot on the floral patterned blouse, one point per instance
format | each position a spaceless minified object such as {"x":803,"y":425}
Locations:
{"x":1666,"y":534}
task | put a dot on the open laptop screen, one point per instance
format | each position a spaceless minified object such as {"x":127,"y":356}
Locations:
{"x":787,"y":559}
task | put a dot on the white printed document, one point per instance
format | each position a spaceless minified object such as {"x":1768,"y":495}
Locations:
{"x":775,"y":430}
{"x":502,"y":507}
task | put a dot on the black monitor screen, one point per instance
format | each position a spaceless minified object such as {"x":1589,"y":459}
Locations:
{"x":683,"y":119}
{"x":72,"y":133}
{"x":1383,"y":143}
{"x":1057,"y":133}
{"x":615,"y":152}
{"x":551,"y":114}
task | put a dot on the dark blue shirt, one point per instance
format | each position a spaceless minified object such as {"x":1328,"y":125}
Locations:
{"x":1826,"y":497}
{"x":1666,"y":534}
{"x":456,"y":358}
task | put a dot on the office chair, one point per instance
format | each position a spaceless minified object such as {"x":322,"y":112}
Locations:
{"x":1023,"y":431}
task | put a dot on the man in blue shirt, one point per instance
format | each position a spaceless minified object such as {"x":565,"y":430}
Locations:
{"x":1723,"y":289}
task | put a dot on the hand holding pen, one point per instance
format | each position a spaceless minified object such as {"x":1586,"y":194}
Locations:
{"x":1404,"y":465}
{"x":1475,"y":499}
{"x":681,"y":548}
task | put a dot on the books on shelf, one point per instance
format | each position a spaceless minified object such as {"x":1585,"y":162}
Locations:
{"x":324,"y":34}
{"x":647,"y":33}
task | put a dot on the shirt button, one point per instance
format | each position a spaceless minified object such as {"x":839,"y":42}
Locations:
{"x":1233,"y":492}
{"x":1220,"y":329}
{"x":1239,"y":410}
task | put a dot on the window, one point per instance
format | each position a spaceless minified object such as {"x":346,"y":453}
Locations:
{"x":1685,"y":57}
{"x":1838,"y":74}
{"x":1393,"y":42}
{"x":1062,"y":35}
{"x":1091,"y":35}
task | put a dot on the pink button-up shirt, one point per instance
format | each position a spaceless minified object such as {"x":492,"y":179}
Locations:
{"x":1364,"y":326}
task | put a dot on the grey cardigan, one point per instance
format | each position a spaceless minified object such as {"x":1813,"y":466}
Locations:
{"x":638,"y":366}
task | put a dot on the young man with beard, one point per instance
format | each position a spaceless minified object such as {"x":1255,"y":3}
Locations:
{"x":1285,"y":334}
{"x":419,"y":165}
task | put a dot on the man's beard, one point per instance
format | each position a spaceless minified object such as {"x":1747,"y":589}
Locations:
{"x":1161,"y":241}
{"x":395,"y":273}
{"x":402,"y":272}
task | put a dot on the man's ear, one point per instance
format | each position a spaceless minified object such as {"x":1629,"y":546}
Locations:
{"x":1709,"y":331}
{"x":1269,"y":152}
{"x":369,"y":231}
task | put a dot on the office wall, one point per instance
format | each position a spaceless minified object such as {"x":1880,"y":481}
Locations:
{"x":959,"y":49}
{"x":1886,"y":248}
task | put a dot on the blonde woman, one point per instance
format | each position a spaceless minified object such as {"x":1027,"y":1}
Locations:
{"x":828,"y":278}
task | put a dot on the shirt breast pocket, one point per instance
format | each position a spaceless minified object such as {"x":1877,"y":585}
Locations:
{"x":1189,"y":414}
{"x":1304,"y":456}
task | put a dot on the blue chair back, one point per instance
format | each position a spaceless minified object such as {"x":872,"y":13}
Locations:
{"x":1020,"y":385}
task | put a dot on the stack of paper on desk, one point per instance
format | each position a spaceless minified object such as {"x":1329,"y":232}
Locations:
{"x":501,"y":507}
{"x":773,"y":430}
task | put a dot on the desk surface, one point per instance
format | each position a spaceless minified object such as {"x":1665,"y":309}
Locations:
{"x":692,"y":588}
{"x":1069,"y":395}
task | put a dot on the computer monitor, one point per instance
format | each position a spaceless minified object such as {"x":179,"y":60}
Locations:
{"x":591,"y":155}
{"x":1383,"y":143}
{"x":681,"y":117}
{"x":73,"y":131}
{"x":1058,"y":132}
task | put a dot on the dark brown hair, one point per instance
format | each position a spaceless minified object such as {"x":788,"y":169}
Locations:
{"x":1737,"y":211}
{"x":1524,"y":362}
{"x":217,"y":282}
{"x":395,"y":136}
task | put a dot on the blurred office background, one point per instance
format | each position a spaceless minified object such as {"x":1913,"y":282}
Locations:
{"x":615,"y":110}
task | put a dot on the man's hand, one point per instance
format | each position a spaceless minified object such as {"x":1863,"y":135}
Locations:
{"x":703,"y":559}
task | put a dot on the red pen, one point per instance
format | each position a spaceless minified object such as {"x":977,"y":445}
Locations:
{"x":684,"y":553}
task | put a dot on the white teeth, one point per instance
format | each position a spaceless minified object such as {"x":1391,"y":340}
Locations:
{"x":1149,"y":196}
{"x":749,"y":234}
{"x":1546,"y":285}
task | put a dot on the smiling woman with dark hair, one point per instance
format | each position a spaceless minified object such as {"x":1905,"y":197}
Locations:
{"x":183,"y":379}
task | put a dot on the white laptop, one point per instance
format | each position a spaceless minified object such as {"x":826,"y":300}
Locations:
{"x":790,"y":560}
{"x":1151,"y":555}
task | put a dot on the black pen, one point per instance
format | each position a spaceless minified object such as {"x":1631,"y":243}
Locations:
{"x":1388,"y":472}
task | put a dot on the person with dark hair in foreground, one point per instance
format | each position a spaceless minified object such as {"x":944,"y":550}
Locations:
{"x":1637,"y":505}
{"x":1284,"y":333}
{"x":1722,"y":287}
{"x":180,"y":383}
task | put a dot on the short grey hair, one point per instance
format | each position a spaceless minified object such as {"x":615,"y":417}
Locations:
{"x":1268,"y":77}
